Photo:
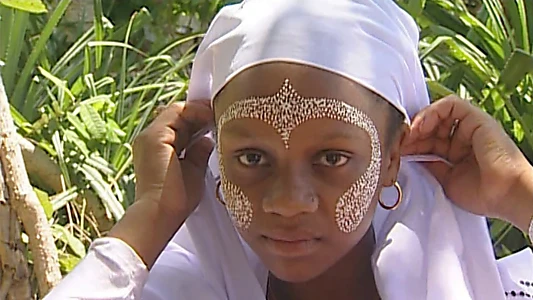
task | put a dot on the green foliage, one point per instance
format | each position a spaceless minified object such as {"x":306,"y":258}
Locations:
{"x":84,"y":106}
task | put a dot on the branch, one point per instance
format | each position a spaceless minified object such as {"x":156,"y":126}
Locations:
{"x":40,"y":165}
{"x":24,"y":201}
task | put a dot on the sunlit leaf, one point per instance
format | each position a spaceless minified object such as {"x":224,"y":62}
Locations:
{"x":68,"y":262}
{"x":62,"y":234}
{"x":93,"y":121}
{"x":518,"y":131}
{"x":45,"y":202}
{"x":72,"y":137}
{"x":103,"y":190}
{"x":32,"y":6}
{"x":78,"y":125}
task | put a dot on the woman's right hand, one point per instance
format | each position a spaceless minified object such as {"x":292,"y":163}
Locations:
{"x":167,"y":189}
{"x":175,"y":185}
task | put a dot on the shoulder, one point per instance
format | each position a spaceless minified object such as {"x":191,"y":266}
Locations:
{"x":177,"y":275}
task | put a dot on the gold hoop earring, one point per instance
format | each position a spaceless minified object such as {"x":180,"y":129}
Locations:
{"x":398,"y":201}
{"x":217,"y":193}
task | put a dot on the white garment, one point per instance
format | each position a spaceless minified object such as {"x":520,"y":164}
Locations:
{"x":113,"y":271}
{"x":426,"y":249}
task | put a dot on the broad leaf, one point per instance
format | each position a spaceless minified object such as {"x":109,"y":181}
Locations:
{"x":45,"y":202}
{"x":68,"y":262}
{"x":62,"y":234}
{"x":32,"y":6}
{"x":93,"y":122}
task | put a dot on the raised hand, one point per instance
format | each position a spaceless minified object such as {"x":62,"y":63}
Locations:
{"x":489,"y":175}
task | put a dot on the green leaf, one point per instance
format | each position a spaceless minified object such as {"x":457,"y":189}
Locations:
{"x":120,"y":112}
{"x":19,"y":119}
{"x":499,"y":230}
{"x":67,"y":262}
{"x":60,"y":84}
{"x":6,"y":22}
{"x":99,"y":30}
{"x":519,"y":64}
{"x":112,"y":125}
{"x":78,"y":125}
{"x":73,"y":138}
{"x":497,"y":101}
{"x":26,"y":74}
{"x":89,"y":82}
{"x":31,"y":6}
{"x":62,"y":234}
{"x":518,"y":131}
{"x":58,"y":147}
{"x":93,"y":121}
{"x":111,"y":136}
{"x":415,"y":7}
{"x":438,"y":90}
{"x":103,"y":190}
{"x":14,"y":48}
{"x":60,"y":200}
{"x":117,"y":45}
{"x":45,"y":202}
{"x":99,"y":163}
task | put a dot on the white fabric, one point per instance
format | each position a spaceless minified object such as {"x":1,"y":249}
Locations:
{"x":426,"y":249}
{"x":177,"y":276}
{"x":111,"y":270}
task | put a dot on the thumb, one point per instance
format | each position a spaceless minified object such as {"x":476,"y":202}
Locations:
{"x":198,"y":154}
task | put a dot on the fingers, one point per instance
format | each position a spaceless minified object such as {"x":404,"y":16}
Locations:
{"x":199,"y":152}
{"x":186,"y":119}
{"x":438,"y":119}
{"x":446,"y":128}
{"x":446,"y":148}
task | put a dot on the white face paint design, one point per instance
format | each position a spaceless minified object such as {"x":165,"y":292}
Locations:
{"x":285,"y":111}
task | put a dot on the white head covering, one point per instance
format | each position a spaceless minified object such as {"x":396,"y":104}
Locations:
{"x":427,"y":248}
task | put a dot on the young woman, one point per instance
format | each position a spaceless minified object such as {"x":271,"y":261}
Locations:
{"x":319,"y":186}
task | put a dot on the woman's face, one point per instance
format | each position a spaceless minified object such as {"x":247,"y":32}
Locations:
{"x":290,"y":172}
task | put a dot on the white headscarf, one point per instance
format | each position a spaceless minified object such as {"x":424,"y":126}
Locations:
{"x":427,"y":248}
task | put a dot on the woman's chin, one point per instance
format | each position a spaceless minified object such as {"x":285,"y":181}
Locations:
{"x":296,"y":272}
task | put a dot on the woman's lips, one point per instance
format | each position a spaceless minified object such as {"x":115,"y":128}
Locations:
{"x":290,"y":246}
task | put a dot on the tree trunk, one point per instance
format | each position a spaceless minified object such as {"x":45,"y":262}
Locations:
{"x":14,"y":274}
{"x":23,"y":200}
{"x":40,"y":165}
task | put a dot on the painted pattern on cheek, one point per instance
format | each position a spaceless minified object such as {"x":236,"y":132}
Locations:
{"x":285,"y":111}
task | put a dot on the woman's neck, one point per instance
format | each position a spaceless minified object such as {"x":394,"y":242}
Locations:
{"x":350,"y":278}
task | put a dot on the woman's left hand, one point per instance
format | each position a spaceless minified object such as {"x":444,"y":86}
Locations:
{"x":489,"y":175}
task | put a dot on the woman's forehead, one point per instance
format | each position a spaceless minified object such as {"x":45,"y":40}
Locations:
{"x":268,"y":79}
{"x":287,"y":109}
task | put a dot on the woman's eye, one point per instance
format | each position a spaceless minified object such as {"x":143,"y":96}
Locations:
{"x":333,"y":159}
{"x":252,"y":159}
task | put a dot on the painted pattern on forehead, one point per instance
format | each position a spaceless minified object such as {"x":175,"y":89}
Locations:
{"x":285,"y":111}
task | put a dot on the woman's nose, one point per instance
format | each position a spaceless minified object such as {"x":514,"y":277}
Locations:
{"x":291,"y":195}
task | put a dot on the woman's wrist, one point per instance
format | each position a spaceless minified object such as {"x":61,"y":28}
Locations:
{"x":147,"y":229}
{"x":519,"y":203}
